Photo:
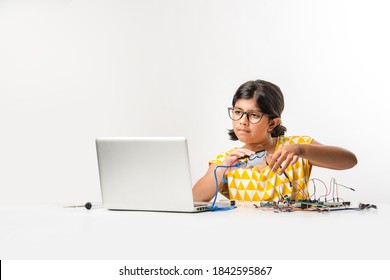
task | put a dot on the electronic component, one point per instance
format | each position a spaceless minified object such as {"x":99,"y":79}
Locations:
{"x":336,"y":204}
{"x":255,"y":159}
{"x":367,"y":206}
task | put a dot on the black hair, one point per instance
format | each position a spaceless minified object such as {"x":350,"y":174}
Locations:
{"x":269,"y":98}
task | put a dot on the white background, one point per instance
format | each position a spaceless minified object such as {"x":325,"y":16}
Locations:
{"x":71,"y":71}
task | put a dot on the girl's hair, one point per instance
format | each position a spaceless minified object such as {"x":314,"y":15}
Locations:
{"x":269,"y":99}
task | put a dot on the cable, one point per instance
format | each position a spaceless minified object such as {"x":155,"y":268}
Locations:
{"x":315,"y":191}
{"x":239,"y":164}
{"x":216,"y":208}
{"x":326,"y":193}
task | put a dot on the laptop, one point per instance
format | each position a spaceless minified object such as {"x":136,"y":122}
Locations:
{"x":146,"y":174}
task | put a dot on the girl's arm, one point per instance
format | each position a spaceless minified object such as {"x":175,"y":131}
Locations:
{"x":317,"y":154}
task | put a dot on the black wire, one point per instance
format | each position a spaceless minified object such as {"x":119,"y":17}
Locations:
{"x":285,"y":174}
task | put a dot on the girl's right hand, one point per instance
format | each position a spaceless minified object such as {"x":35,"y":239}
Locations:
{"x":233,"y":157}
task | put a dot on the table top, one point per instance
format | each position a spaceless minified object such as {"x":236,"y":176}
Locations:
{"x":50,"y":231}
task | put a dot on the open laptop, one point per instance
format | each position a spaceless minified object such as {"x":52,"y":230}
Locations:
{"x":146,"y":174}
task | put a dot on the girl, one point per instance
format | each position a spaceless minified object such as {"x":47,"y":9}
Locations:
{"x":256,"y":117}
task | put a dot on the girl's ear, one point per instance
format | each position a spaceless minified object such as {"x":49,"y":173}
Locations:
{"x":274,"y":123}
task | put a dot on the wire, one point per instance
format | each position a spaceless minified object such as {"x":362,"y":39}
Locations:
{"x":352,"y":189}
{"x":314,"y":191}
{"x":216,"y":208}
{"x":238,"y":164}
{"x":326,"y":188}
{"x":304,"y":194}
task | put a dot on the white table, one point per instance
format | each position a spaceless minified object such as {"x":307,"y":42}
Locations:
{"x":40,"y":231}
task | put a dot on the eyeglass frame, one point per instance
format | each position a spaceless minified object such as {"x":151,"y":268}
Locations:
{"x":247,"y":114}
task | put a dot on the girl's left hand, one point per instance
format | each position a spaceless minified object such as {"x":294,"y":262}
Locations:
{"x":285,"y":156}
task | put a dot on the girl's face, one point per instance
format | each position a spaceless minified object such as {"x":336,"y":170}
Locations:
{"x":247,"y":132}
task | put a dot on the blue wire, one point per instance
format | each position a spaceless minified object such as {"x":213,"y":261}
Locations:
{"x":216,"y":208}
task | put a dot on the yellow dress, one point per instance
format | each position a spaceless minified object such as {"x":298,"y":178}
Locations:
{"x":264,"y":185}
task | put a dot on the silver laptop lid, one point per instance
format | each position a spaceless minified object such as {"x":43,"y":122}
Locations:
{"x":144,"y":173}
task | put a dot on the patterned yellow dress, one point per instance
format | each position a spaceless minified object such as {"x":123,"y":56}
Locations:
{"x":264,"y":185}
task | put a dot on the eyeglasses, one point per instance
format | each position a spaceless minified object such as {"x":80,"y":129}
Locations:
{"x":253,"y":116}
